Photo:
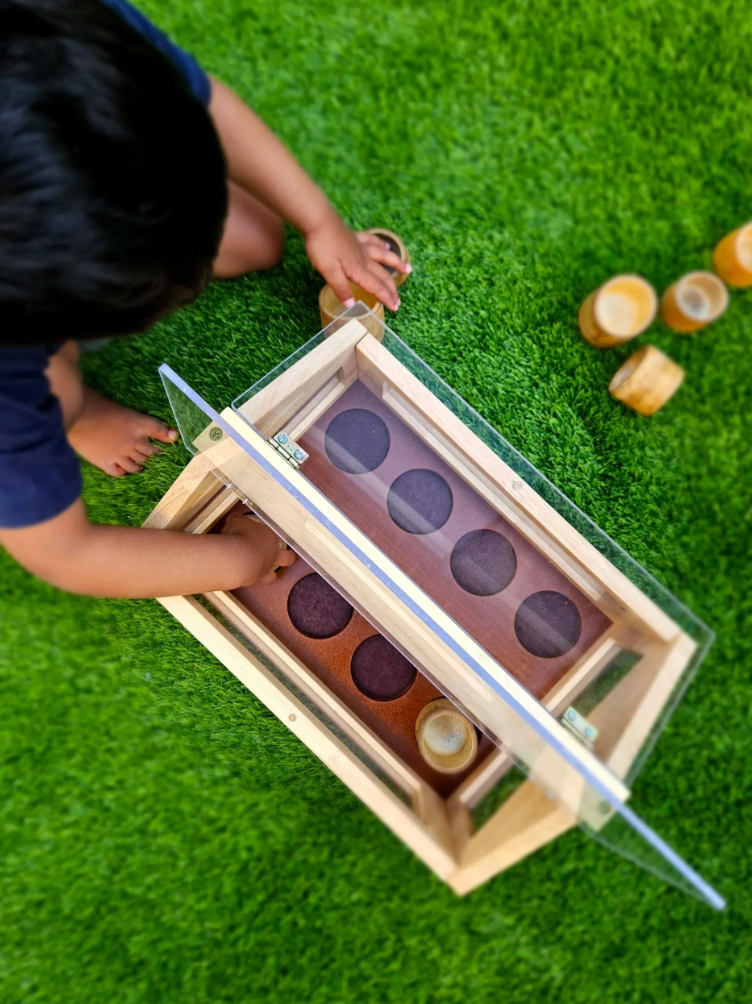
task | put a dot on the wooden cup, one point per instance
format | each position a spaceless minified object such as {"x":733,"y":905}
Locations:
{"x":446,"y":739}
{"x":618,"y":311}
{"x":646,"y":380}
{"x":732,"y":258}
{"x":397,"y":245}
{"x":330,"y":308}
{"x":694,"y":301}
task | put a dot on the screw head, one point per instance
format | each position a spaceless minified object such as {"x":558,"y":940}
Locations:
{"x":590,"y":732}
{"x":282,"y":438}
{"x":292,"y":718}
{"x":571,"y":716}
{"x":216,"y":434}
{"x":604,"y":808}
{"x":298,"y":454}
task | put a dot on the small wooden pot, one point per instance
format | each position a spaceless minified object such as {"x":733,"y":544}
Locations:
{"x":694,"y":301}
{"x":397,"y":245}
{"x":646,"y":380}
{"x":618,"y":311}
{"x":732,"y":258}
{"x":330,"y":308}
{"x":446,"y":739}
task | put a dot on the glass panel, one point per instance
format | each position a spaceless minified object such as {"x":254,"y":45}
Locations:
{"x":431,"y":513}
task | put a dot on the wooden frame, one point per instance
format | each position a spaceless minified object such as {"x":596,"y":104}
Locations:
{"x":439,"y":831}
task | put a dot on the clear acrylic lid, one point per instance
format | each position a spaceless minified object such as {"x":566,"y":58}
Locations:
{"x":563,"y":650}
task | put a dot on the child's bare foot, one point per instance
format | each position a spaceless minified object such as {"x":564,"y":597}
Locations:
{"x":114,"y":438}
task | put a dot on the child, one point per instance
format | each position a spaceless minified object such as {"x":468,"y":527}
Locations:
{"x":128,"y":179}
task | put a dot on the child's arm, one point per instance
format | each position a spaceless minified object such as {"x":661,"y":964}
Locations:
{"x":123,"y":561}
{"x":260,"y":162}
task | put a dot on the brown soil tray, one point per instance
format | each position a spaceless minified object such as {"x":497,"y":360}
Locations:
{"x":458,"y":549}
{"x":379,"y":668}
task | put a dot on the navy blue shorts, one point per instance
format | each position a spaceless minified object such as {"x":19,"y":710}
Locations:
{"x":40,"y":475}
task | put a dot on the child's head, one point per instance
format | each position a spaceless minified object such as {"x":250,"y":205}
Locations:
{"x":112,"y":180}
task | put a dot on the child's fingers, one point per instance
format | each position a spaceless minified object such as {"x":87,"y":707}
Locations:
{"x":285,"y":558}
{"x":341,"y":286}
{"x":386,"y":257}
{"x":374,"y":279}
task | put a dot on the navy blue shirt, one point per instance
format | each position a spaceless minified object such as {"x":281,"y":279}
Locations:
{"x":40,"y":475}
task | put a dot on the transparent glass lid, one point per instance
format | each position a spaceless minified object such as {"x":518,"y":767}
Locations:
{"x":486,"y":603}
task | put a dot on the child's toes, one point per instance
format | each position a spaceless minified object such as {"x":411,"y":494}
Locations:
{"x":162,"y":432}
{"x":113,"y":469}
{"x":129,"y":466}
{"x":144,"y":450}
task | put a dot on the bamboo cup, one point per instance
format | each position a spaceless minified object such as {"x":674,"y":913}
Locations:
{"x":647,"y":380}
{"x":446,"y":739}
{"x":732,"y":258}
{"x":619,"y":310}
{"x":397,"y":245}
{"x":694,"y":301}
{"x":330,"y":307}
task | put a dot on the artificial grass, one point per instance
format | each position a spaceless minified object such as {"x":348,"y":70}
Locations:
{"x":163,"y":838}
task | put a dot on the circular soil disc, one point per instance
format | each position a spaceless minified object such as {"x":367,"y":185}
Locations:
{"x":420,"y":501}
{"x":316,"y":609}
{"x":379,"y":671}
{"x":483,"y":562}
{"x":547,"y":624}
{"x":357,"y":441}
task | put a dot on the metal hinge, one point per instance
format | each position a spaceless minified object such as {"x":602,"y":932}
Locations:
{"x":580,"y":727}
{"x":288,"y":449}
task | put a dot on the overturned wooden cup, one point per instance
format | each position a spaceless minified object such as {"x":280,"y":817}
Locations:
{"x":647,"y":380}
{"x":446,"y":739}
{"x":732,"y":258}
{"x":694,"y":301}
{"x":618,"y":311}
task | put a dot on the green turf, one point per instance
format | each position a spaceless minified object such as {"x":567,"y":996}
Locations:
{"x":163,"y":838}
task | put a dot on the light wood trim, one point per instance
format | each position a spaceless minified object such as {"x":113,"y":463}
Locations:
{"x":431,"y":809}
{"x":275,"y":404}
{"x":306,"y":726}
{"x":359,"y":580}
{"x":526,"y":821}
{"x":482,"y":780}
{"x":322,"y":400}
{"x":316,"y":691}
{"x":378,"y":364}
{"x":189,"y":493}
{"x":627,"y":715}
{"x":219,"y":506}
{"x":584,"y":671}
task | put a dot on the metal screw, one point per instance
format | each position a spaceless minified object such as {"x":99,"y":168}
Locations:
{"x":604,"y":808}
{"x":571,"y":715}
{"x":298,"y":454}
{"x":590,"y":732}
{"x":216,"y":434}
{"x":291,"y":718}
{"x":282,"y":438}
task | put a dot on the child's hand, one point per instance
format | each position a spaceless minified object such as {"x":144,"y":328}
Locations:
{"x":343,"y":257}
{"x":266,"y":550}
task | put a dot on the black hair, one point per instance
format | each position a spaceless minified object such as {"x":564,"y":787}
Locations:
{"x":113,"y":187}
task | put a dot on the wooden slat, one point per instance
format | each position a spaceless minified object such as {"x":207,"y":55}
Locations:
{"x":306,"y":726}
{"x":525,"y":822}
{"x":188,"y":494}
{"x":628,"y":714}
{"x":276,"y":403}
{"x":316,"y":691}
